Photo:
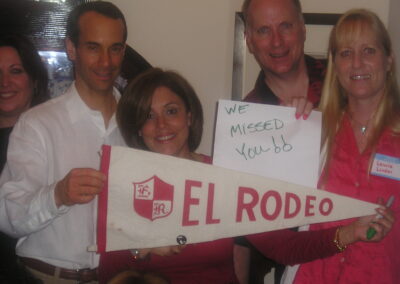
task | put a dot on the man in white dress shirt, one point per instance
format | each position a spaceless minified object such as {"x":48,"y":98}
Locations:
{"x":51,"y":179}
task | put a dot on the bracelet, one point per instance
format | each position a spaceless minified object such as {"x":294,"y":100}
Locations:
{"x":135,"y":253}
{"x":336,"y":241}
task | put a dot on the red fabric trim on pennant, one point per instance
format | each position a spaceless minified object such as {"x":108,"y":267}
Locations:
{"x":102,"y":201}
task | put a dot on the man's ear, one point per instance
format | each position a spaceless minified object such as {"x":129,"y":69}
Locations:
{"x":189,"y":118}
{"x":71,"y":50}
{"x":304,"y":32}
{"x":124,"y":48}
{"x":248,"y":40}
{"x":390,"y":60}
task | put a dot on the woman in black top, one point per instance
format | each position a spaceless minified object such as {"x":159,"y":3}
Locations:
{"x":23,"y":84}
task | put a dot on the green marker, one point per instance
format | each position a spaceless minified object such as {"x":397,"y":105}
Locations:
{"x":371,"y":231}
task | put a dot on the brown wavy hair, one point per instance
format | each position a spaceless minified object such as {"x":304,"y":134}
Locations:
{"x":32,"y":64}
{"x":135,"y":104}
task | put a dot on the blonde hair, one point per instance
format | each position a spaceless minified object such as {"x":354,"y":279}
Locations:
{"x":334,"y":99}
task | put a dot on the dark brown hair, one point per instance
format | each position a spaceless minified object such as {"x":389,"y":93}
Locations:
{"x":135,"y":104}
{"x":32,"y":64}
{"x":102,"y":7}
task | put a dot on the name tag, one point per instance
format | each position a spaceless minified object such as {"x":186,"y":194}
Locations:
{"x":386,"y":166}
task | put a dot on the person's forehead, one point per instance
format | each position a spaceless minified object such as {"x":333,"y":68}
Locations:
{"x":271,"y":11}
{"x":9,"y":53}
{"x":93,"y":25}
{"x":163,"y":95}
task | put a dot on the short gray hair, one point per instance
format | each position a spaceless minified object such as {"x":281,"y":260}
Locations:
{"x":246,"y":5}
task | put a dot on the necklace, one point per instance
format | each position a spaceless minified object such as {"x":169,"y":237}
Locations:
{"x":362,"y":127}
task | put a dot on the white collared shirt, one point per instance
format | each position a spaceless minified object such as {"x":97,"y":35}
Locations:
{"x":47,"y":142}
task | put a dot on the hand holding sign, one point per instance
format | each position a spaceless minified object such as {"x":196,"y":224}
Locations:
{"x":79,"y":186}
{"x":303,"y":106}
{"x":161,"y":251}
{"x":206,"y":203}
{"x":357,"y":231}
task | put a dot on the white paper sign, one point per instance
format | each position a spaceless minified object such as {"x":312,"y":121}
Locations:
{"x":268,"y":141}
{"x":154,"y":200}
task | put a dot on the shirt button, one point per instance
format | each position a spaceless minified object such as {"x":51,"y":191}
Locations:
{"x":356,"y":184}
{"x":342,"y":259}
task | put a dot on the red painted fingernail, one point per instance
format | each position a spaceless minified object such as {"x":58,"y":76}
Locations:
{"x":305,"y":116}
{"x":297,"y":116}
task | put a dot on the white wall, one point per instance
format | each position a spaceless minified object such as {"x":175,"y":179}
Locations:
{"x":380,"y":7}
{"x":394,"y":14}
{"x":317,"y":36}
{"x":195,"y":38}
{"x":192,"y":37}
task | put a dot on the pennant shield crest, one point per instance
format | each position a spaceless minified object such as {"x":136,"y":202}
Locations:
{"x":153,"y":198}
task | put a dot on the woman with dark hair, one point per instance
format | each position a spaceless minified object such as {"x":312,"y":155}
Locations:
{"x":160,"y":112}
{"x":23,"y":84}
{"x":32,"y":63}
{"x":134,"y":119}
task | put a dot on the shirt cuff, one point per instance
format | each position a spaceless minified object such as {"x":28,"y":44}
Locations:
{"x":54,"y":210}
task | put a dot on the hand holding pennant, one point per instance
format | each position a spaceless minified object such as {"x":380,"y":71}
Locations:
{"x":153,"y":200}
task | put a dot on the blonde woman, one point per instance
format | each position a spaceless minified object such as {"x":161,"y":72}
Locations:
{"x":361,"y":139}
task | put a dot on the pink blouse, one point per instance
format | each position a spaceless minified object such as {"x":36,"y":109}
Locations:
{"x":362,"y":262}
